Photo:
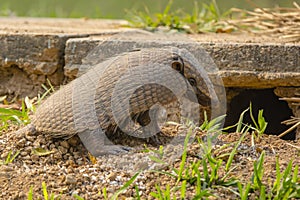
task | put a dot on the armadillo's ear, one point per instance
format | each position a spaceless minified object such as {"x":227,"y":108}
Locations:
{"x":178,"y":65}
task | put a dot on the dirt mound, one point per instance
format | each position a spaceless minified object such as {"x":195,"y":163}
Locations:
{"x":67,"y":169}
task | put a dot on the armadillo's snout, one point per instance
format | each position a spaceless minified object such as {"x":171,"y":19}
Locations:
{"x":195,"y":95}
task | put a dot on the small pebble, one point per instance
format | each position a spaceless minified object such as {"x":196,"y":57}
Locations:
{"x":112,"y":176}
{"x":73,"y":141}
{"x":21,"y":143}
{"x":62,"y":149}
{"x":70,"y":179}
{"x":6,"y":168}
{"x":4,"y":155}
{"x":65,"y":144}
{"x":23,"y":153}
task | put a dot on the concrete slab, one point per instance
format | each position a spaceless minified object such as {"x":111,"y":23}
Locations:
{"x":59,"y":27}
{"x":246,"y":65}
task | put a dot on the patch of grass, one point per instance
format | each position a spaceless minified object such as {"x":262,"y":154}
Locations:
{"x":9,"y":116}
{"x":158,"y":154}
{"x":212,"y":126}
{"x":10,"y":158}
{"x":137,"y":192}
{"x":204,"y":18}
{"x":189,"y":173}
{"x":30,"y":194}
{"x":161,"y":193}
{"x":125,"y":186}
{"x":241,"y":127}
{"x":122,"y":189}
{"x":76,"y":196}
{"x":47,"y":92}
{"x":104,"y":193}
{"x":259,"y":128}
{"x":45,"y":193}
{"x":244,"y":190}
{"x":183,"y":157}
{"x":258,"y":172}
{"x":261,"y":124}
{"x":286,"y":185}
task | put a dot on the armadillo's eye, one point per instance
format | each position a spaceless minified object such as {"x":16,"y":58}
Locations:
{"x":192,"y":81}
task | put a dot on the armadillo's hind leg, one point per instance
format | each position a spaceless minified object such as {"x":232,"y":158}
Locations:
{"x":110,"y":149}
{"x":98,"y":144}
{"x":30,"y":128}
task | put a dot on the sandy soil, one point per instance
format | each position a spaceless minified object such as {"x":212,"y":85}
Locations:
{"x":67,"y":168}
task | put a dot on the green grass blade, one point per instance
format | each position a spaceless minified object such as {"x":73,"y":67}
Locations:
{"x":276,"y":184}
{"x":30,"y":193}
{"x":233,"y":152}
{"x":137,"y":192}
{"x":156,"y":159}
{"x":9,"y":112}
{"x":184,"y":154}
{"x":51,"y":197}
{"x":262,"y":122}
{"x":246,"y":128}
{"x":167,"y":173}
{"x":44,"y":188}
{"x":252,"y":117}
{"x":125,"y":186}
{"x":262,"y":194}
{"x":167,"y":193}
{"x":240,"y":122}
{"x":104,"y":192}
{"x":205,"y":171}
{"x":183,"y":189}
{"x":167,"y":8}
{"x":258,"y":171}
{"x":296,"y":175}
{"x":287,"y":171}
{"x":76,"y":196}
{"x":14,"y":156}
{"x":198,"y":184}
{"x":159,"y":194}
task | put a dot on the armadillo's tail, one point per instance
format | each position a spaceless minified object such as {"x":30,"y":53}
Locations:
{"x":30,"y":128}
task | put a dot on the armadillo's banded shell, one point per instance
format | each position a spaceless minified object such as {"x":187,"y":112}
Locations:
{"x":55,"y":115}
{"x":147,"y":67}
{"x":105,"y":88}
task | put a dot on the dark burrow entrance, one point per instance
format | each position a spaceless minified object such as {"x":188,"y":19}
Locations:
{"x":275,"y":110}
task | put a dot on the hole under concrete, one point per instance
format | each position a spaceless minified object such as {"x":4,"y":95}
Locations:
{"x":275,"y":110}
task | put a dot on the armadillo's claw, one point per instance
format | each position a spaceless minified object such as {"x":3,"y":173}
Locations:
{"x":112,"y":149}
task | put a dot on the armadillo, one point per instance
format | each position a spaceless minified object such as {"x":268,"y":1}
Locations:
{"x":93,"y":104}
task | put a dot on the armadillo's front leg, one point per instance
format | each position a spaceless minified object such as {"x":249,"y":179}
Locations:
{"x":98,"y":144}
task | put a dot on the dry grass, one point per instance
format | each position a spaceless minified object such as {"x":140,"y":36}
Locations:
{"x":294,"y":121}
{"x":283,"y":23}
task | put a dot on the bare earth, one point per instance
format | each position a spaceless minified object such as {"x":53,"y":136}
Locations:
{"x":69,"y":170}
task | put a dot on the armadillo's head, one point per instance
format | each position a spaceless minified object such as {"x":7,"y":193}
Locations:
{"x":196,"y":77}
